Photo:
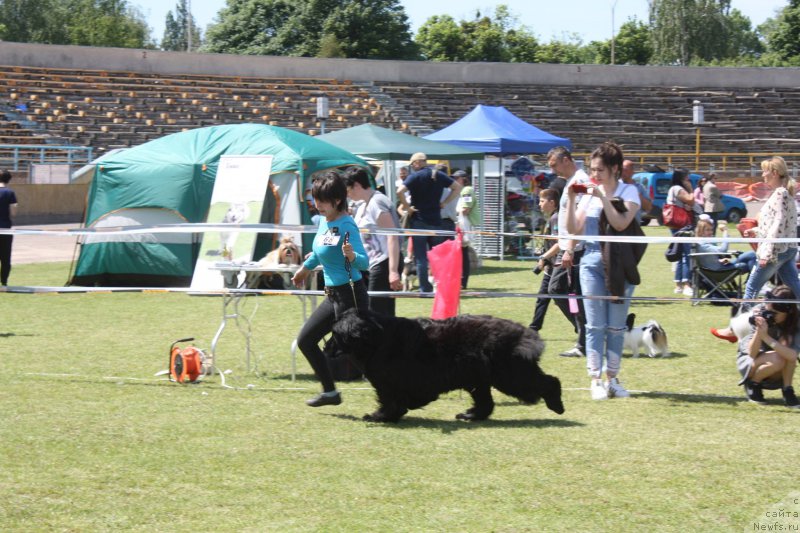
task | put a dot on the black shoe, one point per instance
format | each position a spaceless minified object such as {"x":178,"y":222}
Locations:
{"x":322,"y":399}
{"x":789,"y":398}
{"x":754,"y":392}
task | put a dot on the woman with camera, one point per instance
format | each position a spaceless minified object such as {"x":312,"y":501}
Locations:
{"x":777,"y":219}
{"x":768,"y":355}
{"x":610,"y":206}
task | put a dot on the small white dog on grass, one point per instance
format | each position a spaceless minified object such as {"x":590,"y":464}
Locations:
{"x":651,"y":337}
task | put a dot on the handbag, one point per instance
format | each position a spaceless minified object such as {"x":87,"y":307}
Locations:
{"x":673,"y":252}
{"x":676,"y":217}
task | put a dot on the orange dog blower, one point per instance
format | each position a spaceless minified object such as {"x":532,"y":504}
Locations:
{"x":185,"y":365}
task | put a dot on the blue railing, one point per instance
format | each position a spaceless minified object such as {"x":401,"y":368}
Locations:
{"x":20,"y":156}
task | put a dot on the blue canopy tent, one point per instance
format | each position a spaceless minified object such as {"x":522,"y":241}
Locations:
{"x":499,"y":132}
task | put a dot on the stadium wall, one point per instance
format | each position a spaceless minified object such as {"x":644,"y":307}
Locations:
{"x":166,"y":63}
{"x":49,"y":204}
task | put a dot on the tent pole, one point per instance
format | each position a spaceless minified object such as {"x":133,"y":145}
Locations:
{"x":389,"y":178}
{"x":503,"y":206}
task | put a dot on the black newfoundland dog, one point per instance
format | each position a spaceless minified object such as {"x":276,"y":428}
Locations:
{"x":410,"y":362}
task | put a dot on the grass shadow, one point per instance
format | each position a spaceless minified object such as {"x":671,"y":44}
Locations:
{"x":500,"y":269}
{"x":643,"y":355}
{"x":678,"y":397}
{"x":6,"y":335}
{"x":450,"y":426}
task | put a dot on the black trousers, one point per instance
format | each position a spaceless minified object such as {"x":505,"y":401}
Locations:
{"x":5,"y":257}
{"x":464,"y":266}
{"x":378,"y":280}
{"x":541,"y":303}
{"x":321,"y":322}
{"x":566,"y":281}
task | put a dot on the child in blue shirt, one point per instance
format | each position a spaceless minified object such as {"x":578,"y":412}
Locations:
{"x":337,"y":238}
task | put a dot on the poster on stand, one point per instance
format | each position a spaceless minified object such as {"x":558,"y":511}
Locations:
{"x":238,"y":198}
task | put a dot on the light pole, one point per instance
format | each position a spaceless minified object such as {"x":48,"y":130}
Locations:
{"x":613,"y":7}
{"x":698,"y":119}
{"x":189,"y":26}
{"x":322,"y":112}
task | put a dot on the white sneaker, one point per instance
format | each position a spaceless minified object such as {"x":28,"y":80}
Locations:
{"x":688,"y":291}
{"x":598,"y":390}
{"x":678,"y":290}
{"x":616,"y":390}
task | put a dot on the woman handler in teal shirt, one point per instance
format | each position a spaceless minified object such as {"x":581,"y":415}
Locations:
{"x":337,"y":238}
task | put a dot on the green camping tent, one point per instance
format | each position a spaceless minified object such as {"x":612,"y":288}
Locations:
{"x":170,"y":180}
{"x":372,"y":141}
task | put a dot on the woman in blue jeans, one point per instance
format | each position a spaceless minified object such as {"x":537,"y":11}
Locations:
{"x":680,"y":194}
{"x":605,"y":318}
{"x":777,"y":219}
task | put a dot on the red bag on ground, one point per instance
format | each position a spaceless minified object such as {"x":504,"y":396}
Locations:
{"x":445,"y":265}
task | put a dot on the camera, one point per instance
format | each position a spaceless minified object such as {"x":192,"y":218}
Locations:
{"x":538,"y":270}
{"x":767,"y":315}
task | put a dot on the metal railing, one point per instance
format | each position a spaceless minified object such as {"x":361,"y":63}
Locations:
{"x":21,"y":156}
{"x":749,"y":162}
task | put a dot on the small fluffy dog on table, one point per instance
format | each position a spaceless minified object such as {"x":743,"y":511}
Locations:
{"x":651,"y":337}
{"x":286,"y":254}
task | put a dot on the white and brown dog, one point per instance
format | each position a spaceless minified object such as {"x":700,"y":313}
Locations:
{"x":651,"y":336}
{"x":286,"y":254}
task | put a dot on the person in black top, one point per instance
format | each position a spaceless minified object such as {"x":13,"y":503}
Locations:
{"x":8,"y":208}
{"x":426,"y":186}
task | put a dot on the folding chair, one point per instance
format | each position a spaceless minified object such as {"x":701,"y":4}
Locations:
{"x":715,"y":284}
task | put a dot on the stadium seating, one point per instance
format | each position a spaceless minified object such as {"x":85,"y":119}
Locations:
{"x":112,"y":109}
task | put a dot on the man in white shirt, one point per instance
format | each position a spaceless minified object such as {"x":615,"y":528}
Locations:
{"x":564,"y":278}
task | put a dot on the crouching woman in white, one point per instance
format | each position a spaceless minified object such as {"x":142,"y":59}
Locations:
{"x":768,"y":355}
{"x":605,"y":318}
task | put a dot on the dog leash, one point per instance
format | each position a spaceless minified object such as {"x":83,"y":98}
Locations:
{"x":349,"y":270}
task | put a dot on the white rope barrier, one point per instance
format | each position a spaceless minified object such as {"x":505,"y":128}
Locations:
{"x":294,"y":228}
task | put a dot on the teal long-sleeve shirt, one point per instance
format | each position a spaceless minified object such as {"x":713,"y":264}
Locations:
{"x":327,"y":251}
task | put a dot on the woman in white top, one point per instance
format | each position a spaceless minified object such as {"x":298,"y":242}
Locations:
{"x":777,"y":219}
{"x":376,"y":211}
{"x":605,"y":318}
{"x":680,"y":194}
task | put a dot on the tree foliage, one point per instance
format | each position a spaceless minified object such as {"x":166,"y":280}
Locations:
{"x":368,"y":29}
{"x":493,"y":37}
{"x":78,"y":22}
{"x":699,"y":31}
{"x":783,"y":34}
{"x":175,"y":26}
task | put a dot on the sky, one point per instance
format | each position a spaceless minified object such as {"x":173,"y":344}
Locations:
{"x":591,"y":19}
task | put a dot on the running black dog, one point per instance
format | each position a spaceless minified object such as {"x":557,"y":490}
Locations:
{"x":410,"y":362}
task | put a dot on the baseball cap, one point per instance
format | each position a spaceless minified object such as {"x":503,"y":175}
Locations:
{"x":459,"y":174}
{"x":419,"y":156}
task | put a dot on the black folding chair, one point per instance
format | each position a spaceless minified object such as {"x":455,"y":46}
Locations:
{"x":708,"y":284}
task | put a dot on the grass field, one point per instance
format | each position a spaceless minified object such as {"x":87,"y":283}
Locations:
{"x":90,"y":440}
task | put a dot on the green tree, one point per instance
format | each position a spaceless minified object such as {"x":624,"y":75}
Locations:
{"x":175,"y":34}
{"x":33,"y":21}
{"x":440,"y":39}
{"x":494,"y":37}
{"x":373,"y":29}
{"x":699,"y":31}
{"x":570,"y":50}
{"x":783,"y":34}
{"x":79,"y":22}
{"x":106,"y":23}
{"x":632,"y":44}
